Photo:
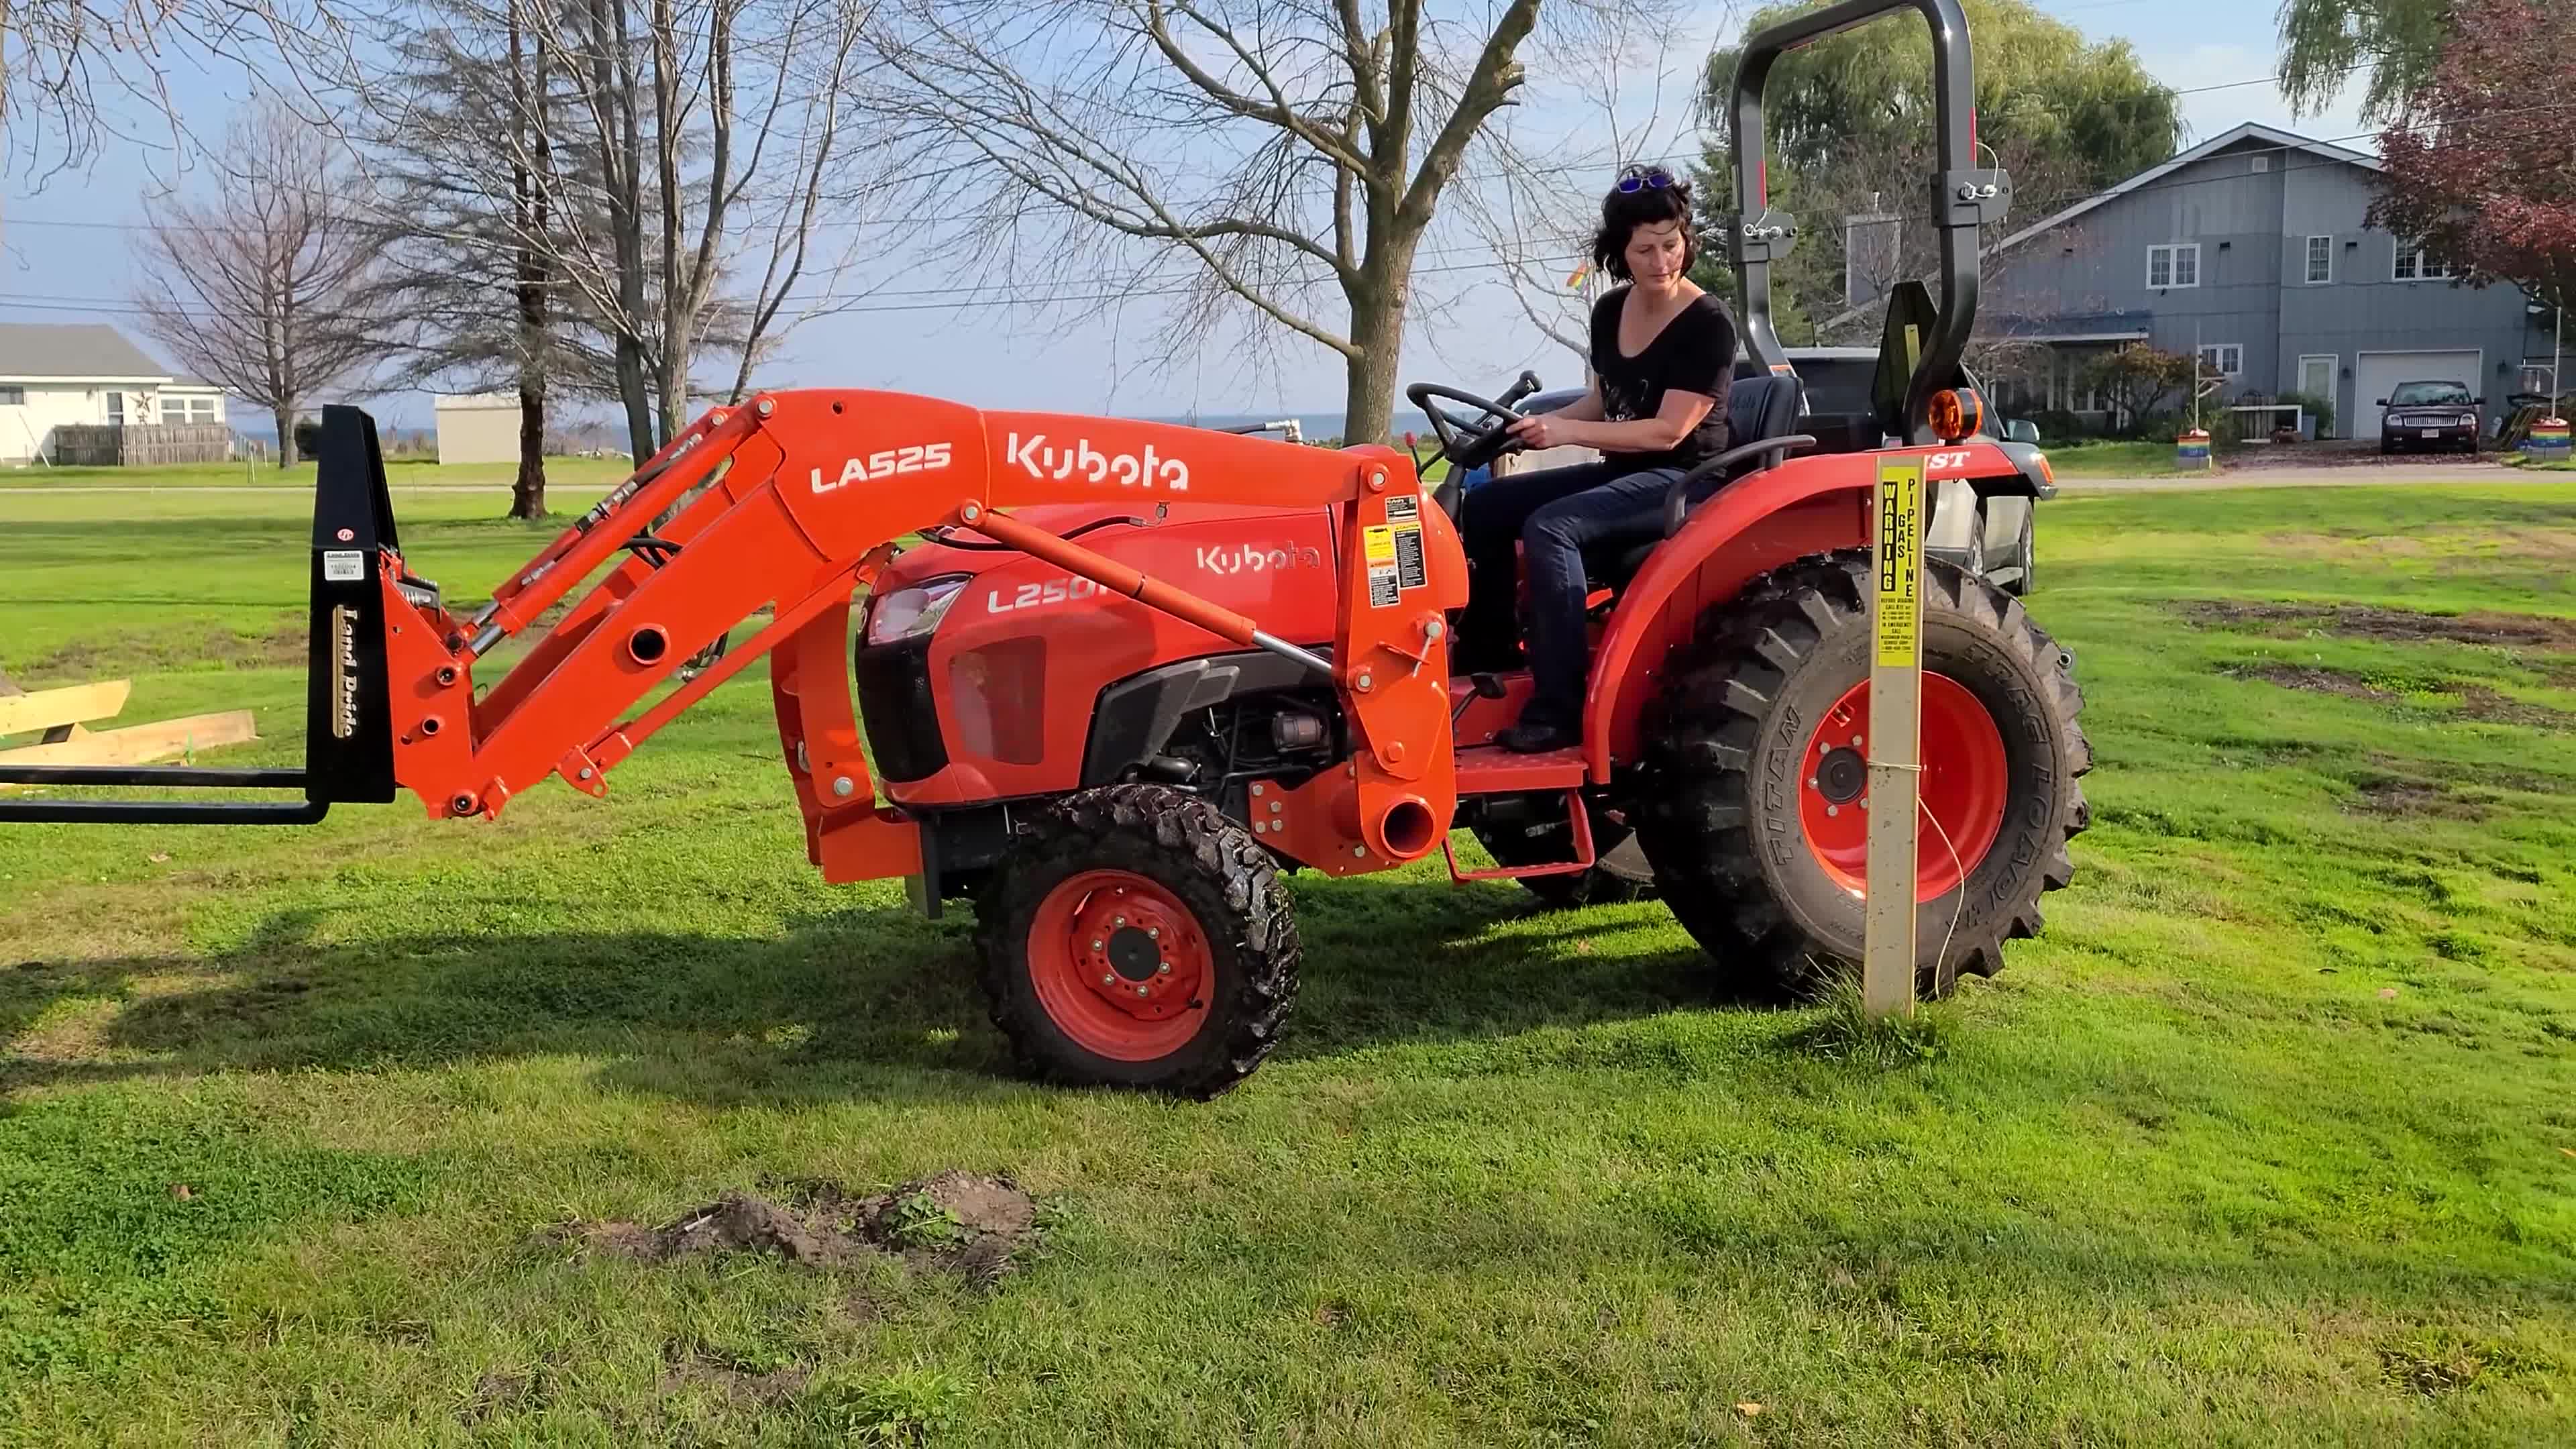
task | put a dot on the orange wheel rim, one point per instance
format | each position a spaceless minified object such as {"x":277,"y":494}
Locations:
{"x":1120,"y":965}
{"x":1966,"y":779}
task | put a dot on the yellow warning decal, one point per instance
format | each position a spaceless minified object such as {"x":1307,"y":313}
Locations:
{"x":1899,"y":558}
{"x":1379,"y":541}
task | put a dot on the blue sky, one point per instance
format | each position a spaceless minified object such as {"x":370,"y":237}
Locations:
{"x":1032,"y":360}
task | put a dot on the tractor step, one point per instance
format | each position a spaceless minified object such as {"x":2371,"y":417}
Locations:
{"x":1493,"y":770}
{"x":1583,"y":856}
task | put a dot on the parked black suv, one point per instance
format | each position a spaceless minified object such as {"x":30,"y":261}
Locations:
{"x":2429,"y":414}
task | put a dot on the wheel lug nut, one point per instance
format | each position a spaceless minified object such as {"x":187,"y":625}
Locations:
{"x":1143,"y":990}
{"x":1153,"y":933}
{"x":1122,"y":920}
{"x":1095,"y":945}
{"x":1108,"y":978}
{"x":1163,"y":970}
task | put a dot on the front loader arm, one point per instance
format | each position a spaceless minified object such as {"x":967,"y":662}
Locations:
{"x":798,"y":500}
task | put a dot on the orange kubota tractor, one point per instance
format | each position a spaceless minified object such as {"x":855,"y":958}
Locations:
{"x":1132,"y":673}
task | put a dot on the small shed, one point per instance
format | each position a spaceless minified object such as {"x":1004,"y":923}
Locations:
{"x":479,"y":427}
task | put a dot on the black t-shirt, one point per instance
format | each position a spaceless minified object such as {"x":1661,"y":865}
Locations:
{"x":1694,"y":353}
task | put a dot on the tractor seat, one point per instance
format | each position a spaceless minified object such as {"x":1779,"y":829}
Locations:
{"x":1759,"y":409}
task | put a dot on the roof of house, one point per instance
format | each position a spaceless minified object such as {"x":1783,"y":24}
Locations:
{"x":2271,"y":136}
{"x":78,"y":349}
{"x":2250,"y":131}
{"x":2123,"y":326}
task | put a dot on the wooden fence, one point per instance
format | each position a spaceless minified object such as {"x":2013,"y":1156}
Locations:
{"x":108,"y":445}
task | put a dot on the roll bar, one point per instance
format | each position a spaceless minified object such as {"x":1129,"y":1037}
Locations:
{"x":1964,"y":196}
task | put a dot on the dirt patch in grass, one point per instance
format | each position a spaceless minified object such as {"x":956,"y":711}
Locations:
{"x":965,"y":1223}
{"x":734,"y":1381}
{"x":2291,"y":621}
{"x":131,"y":651}
{"x":2392,"y":796}
{"x":2475,"y":701}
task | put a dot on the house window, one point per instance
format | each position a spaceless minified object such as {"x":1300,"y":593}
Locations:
{"x":2223,"y":359}
{"x":2262,"y":164}
{"x":2176,"y":264}
{"x":2320,"y":259}
{"x":11,"y":397}
{"x":2415,"y":264}
{"x":187,"y":409}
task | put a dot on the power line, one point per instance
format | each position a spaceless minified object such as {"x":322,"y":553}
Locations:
{"x":113,"y":307}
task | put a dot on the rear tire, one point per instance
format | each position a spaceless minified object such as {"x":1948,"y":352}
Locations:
{"x":1135,"y":937}
{"x":1737,"y":826}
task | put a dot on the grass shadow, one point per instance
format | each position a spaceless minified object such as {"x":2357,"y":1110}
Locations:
{"x":875,"y":1003}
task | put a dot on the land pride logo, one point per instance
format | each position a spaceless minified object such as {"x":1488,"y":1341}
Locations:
{"x":1039,"y":458}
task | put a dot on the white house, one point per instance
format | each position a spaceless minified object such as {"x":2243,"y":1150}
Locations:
{"x":59,"y":375}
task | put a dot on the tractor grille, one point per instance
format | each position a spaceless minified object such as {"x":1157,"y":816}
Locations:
{"x":896,"y":711}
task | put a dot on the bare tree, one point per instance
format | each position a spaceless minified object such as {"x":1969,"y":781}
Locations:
{"x":1541,"y":202}
{"x":464,"y":287}
{"x":594,"y":198}
{"x":727,"y":128}
{"x":258,"y":290}
{"x":1292,"y":154}
{"x":67,"y":64}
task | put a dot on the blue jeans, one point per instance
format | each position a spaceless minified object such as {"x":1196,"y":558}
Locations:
{"x":1553,"y":514}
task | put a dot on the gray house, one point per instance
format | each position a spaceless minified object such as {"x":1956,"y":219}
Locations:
{"x":2250,"y":251}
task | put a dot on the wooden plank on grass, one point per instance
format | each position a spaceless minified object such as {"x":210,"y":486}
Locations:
{"x":75,"y":704}
{"x":143,"y":743}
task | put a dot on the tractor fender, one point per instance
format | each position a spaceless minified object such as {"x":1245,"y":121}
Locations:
{"x":1760,"y":522}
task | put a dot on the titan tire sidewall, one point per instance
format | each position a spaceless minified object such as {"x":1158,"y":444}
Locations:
{"x":2036,"y":758}
{"x":1121,"y":851}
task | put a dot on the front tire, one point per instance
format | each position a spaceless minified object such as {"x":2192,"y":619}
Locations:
{"x":1135,"y":937}
{"x":2026,"y":553}
{"x":1757,"y":826}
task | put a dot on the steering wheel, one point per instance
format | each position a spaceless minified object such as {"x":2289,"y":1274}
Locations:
{"x":1462,"y":441}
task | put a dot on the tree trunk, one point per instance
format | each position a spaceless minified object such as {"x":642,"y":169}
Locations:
{"x":528,"y":491}
{"x":1377,"y":332}
{"x":633,"y":387}
{"x":1368,"y":407}
{"x":285,"y":416}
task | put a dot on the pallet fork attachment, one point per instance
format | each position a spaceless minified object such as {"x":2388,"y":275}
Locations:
{"x":348,"y":737}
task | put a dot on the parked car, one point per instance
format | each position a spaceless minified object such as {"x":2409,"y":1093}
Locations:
{"x":2429,"y":414}
{"x":2002,"y":543}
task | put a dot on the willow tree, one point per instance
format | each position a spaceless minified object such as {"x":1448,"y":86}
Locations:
{"x":2392,"y":44}
{"x":1852,"y":130}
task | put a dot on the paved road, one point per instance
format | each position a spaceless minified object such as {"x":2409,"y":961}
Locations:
{"x":2352,"y":477}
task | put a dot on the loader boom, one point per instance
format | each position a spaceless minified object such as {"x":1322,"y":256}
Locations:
{"x":788,"y":505}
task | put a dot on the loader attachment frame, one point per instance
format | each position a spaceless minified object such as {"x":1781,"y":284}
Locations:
{"x":790,"y":505}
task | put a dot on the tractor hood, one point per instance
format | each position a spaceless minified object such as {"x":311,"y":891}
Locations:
{"x":1116,"y":531}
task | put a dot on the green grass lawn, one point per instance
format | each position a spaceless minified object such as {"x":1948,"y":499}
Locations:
{"x":2270,"y":1138}
{"x":2105,"y":459}
{"x":404,"y":473}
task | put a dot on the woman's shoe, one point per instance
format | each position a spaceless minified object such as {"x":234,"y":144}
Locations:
{"x":1538,"y":739}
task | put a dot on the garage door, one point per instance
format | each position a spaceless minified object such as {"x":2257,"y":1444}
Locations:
{"x":2374,"y":373}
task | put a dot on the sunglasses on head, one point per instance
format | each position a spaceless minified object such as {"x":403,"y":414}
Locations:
{"x":1644,"y":178}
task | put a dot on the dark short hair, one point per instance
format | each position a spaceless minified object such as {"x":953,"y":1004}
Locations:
{"x":1622,"y":212}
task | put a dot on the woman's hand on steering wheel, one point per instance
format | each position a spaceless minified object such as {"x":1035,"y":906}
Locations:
{"x":1539,"y":430}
